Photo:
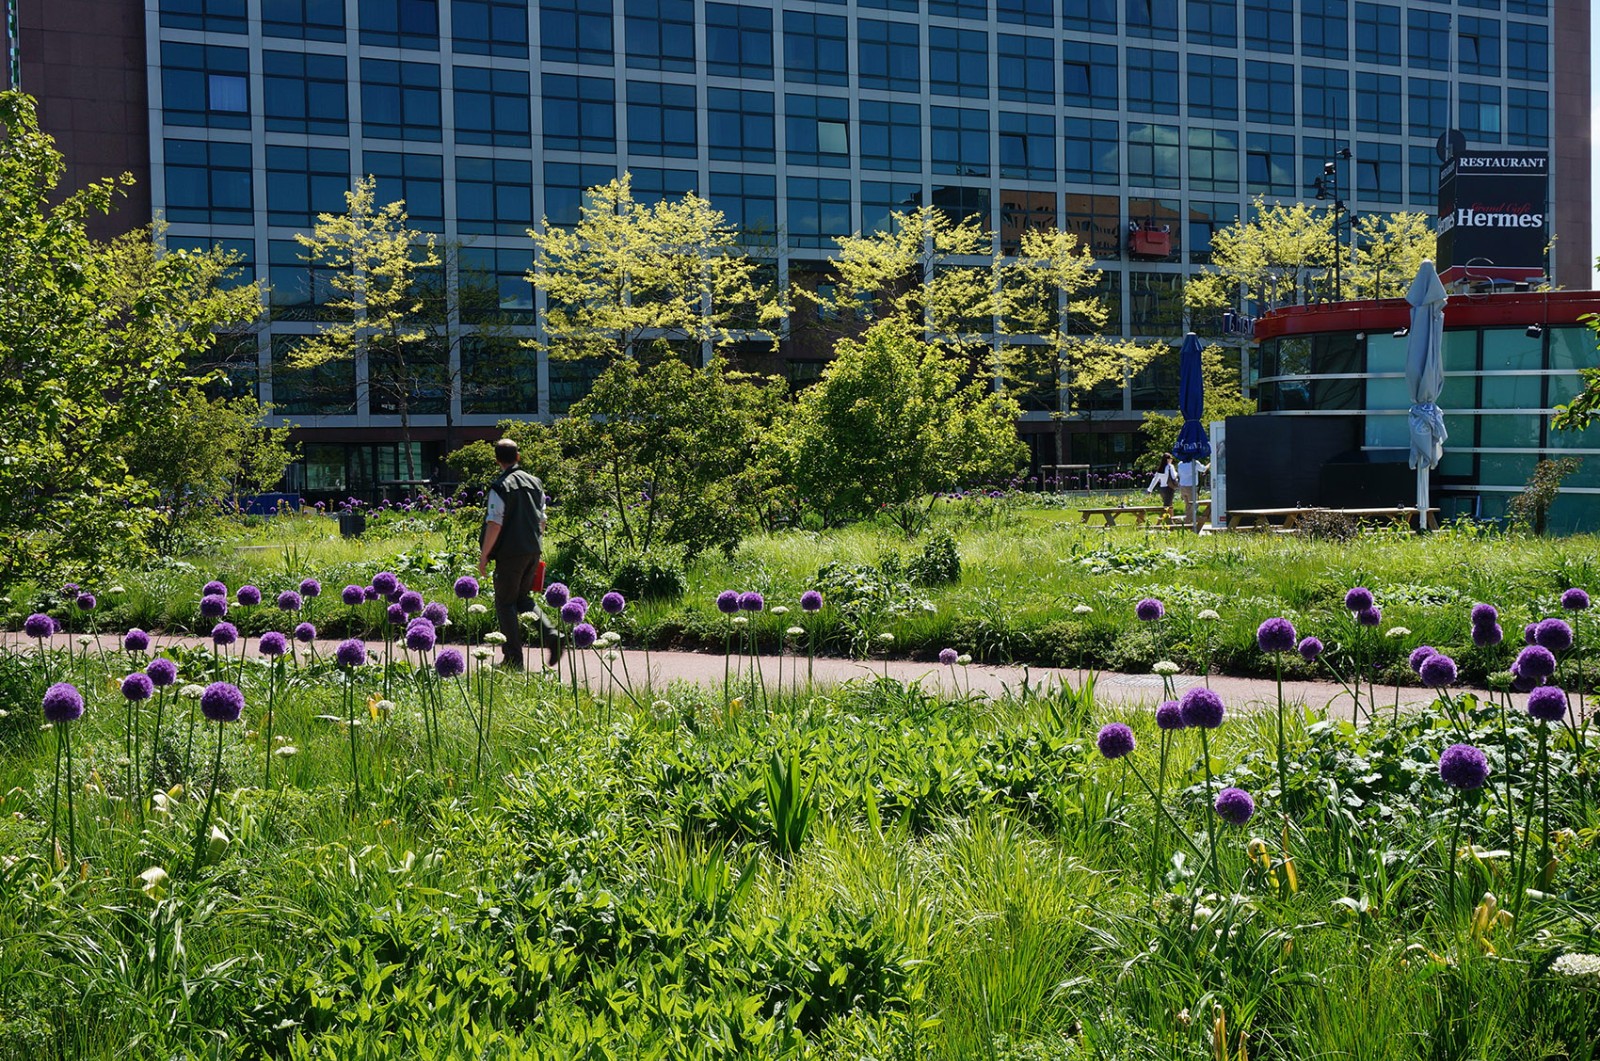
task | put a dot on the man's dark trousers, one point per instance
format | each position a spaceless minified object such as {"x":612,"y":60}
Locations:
{"x":513,"y":589}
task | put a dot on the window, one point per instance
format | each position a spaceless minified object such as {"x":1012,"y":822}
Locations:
{"x":1269,"y":92}
{"x":1089,"y":74}
{"x":1213,"y":160}
{"x":494,"y":196}
{"x":1479,"y":43}
{"x":492,"y":107}
{"x":1527,"y":52}
{"x":750,"y":203}
{"x":1205,"y":219}
{"x":498,"y":374}
{"x":1269,"y":25}
{"x":209,"y":183}
{"x":1028,"y":146}
{"x":891,"y":136}
{"x":305,"y":93}
{"x":401,"y":23}
{"x":1024,"y":211}
{"x":217,"y":16}
{"x":740,"y":125}
{"x":1026,"y":12}
{"x":312,"y":20}
{"x":1269,"y":164}
{"x":243,"y":267}
{"x":819,"y":210}
{"x":1097,"y":222}
{"x":1156,"y":19}
{"x":1378,"y":102}
{"x":1428,"y":39}
{"x":299,"y":290}
{"x":1315,"y":151}
{"x":816,"y":48}
{"x":958,"y":62}
{"x":652,"y":185}
{"x":662,"y":120}
{"x":886,"y":5}
{"x":1214,"y":22}
{"x":1378,"y":33}
{"x":1325,"y":28}
{"x":1480,"y":111}
{"x":304,"y":182}
{"x":490,"y":27}
{"x":1213,"y":86}
{"x":1152,"y":81}
{"x":1089,"y":16}
{"x":888,"y":55}
{"x":1378,"y":172}
{"x":1153,"y":155}
{"x":880,"y":199}
{"x":1424,"y":179}
{"x":961,"y":203}
{"x":1528,"y":7}
{"x":818,"y":130}
{"x":566,"y":185}
{"x":1155,"y":302}
{"x":1429,"y":107}
{"x":1527,"y":117}
{"x":1027,"y":69}
{"x":660,"y":34}
{"x":494,"y":285}
{"x":417,"y":180}
{"x":960,"y":141}
{"x":739,"y":41}
{"x":975,"y":9}
{"x":1094,"y":151}
{"x":400,"y":101}
{"x":205,"y":85}
{"x":580,"y":113}
{"x":329,"y":389}
{"x":579,"y":31}
{"x":1325,"y":97}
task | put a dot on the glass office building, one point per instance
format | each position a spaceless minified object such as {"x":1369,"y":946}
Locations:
{"x":802,"y":121}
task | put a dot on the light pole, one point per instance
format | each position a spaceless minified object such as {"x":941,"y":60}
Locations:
{"x":1327,"y":187}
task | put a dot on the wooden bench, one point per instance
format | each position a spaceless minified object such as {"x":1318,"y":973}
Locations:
{"x":1288,"y":518}
{"x":1139,"y":513}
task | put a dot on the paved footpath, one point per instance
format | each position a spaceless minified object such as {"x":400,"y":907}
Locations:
{"x":707,"y":669}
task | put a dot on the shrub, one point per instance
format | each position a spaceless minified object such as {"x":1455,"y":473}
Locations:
{"x":939,"y":564}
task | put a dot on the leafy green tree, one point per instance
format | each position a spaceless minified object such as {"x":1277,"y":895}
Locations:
{"x":1531,"y":508}
{"x":95,"y":340}
{"x":1219,"y":368}
{"x":890,"y":422}
{"x":1580,"y":412}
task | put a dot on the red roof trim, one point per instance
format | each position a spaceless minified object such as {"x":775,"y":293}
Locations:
{"x":1462,"y":311}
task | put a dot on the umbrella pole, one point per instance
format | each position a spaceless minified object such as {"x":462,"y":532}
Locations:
{"x":1422,"y":497}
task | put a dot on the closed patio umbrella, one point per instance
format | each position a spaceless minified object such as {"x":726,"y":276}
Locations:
{"x":1194,"y":443}
{"x":1425,"y":378}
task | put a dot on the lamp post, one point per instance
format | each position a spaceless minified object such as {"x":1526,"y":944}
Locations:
{"x":1327,"y":187}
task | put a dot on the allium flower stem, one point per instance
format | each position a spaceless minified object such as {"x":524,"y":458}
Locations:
{"x":65,"y":731}
{"x":1211,"y":826}
{"x":1527,"y":826}
{"x":55,"y":791}
{"x":155,"y":748}
{"x":350,"y":721}
{"x":1450,"y":853}
{"x":1544,"y":785}
{"x":1160,"y":796}
{"x":188,"y":751}
{"x":203,"y":833}
{"x":1283,"y":748}
{"x":1161,"y":807}
{"x":272,"y":692}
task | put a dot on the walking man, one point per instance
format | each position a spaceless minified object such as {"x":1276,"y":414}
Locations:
{"x":1189,"y":471}
{"x":513,"y":537}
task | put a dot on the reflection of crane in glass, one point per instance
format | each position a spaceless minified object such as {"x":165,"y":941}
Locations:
{"x":1148,"y":241}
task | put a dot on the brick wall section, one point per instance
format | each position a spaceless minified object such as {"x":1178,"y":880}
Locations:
{"x":1573,"y":149}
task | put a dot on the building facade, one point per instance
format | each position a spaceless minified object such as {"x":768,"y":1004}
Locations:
{"x":1141,"y":125}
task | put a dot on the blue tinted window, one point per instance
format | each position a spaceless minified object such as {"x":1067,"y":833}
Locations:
{"x":1089,"y":16}
{"x":890,"y":5}
{"x":565,"y":187}
{"x":490,"y":27}
{"x":1378,"y":33}
{"x":218,"y":16}
{"x":817,"y":130}
{"x":244,"y":265}
{"x":974,"y":9}
{"x":1423,"y":181}
{"x":494,"y":195}
{"x":1379,"y":173}
{"x":750,"y":203}
{"x":1213,"y":160}
{"x":660,"y":34}
{"x":1269,"y":164}
{"x":816,"y":48}
{"x":400,"y":23}
{"x":1089,"y":74}
{"x":958,"y":62}
{"x":1325,"y":28}
{"x":961,"y":203}
{"x":889,"y":55}
{"x":305,"y":93}
{"x":1027,"y":69}
{"x":1480,"y":46}
{"x":819,"y":211}
{"x":416,"y":180}
{"x":1527,"y":117}
{"x":1528,"y":7}
{"x":492,"y":107}
{"x":1027,"y":146}
{"x":304,"y":182}
{"x":652,"y":185}
{"x":1214,"y":22}
{"x":740,"y":125}
{"x":1213,"y":86}
{"x":1093,"y":151}
{"x":891,"y":136}
{"x":880,"y":199}
{"x":494,"y":285}
{"x":1026,"y":12}
{"x":1480,"y":111}
{"x":661,"y":120}
{"x":1152,"y":81}
{"x":960,"y":141}
{"x":1269,"y":92}
{"x":1157,"y":19}
{"x":1430,"y":107}
{"x":498,"y":373}
{"x":1527,"y":52}
{"x":400,"y":100}
{"x":1269,"y":25}
{"x":208,"y":183}
{"x":1428,"y":39}
{"x":580,"y":113}
{"x":328,"y":388}
{"x":739,"y":41}
{"x":1325,"y":97}
{"x":1154,"y":155}
{"x":312,"y":20}
{"x":579,"y":31}
{"x":205,"y":85}
{"x":1377,"y":102}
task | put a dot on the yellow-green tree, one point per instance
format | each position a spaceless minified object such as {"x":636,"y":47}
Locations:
{"x":630,"y":274}
{"x":374,"y":257}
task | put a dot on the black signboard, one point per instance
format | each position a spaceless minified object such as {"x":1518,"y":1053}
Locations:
{"x":1493,"y":214}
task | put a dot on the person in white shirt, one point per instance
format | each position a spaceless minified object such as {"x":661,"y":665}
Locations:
{"x":1189,"y":472}
{"x":1166,"y":481}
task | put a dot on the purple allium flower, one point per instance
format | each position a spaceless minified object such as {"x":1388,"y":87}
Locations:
{"x":436,"y":613}
{"x":70,"y":589}
{"x":421,"y":636}
{"x":63,"y":703}
{"x":1419,"y":656}
{"x":1115,"y":740}
{"x":1201,"y":708}
{"x":751,"y":601}
{"x":728,"y":601}
{"x":214,"y":588}
{"x":385,"y":582}
{"x":1484,"y":614}
{"x":38,"y":625}
{"x":1369,"y":616}
{"x":351,"y":653}
{"x":573,"y":612}
{"x":1275,"y":635}
{"x":353,"y":595}
{"x":138,"y":686}
{"x":1310,"y":649}
{"x":368,"y":594}
{"x":1536,"y":662}
{"x":1149,"y":610}
{"x":1358,"y":599}
{"x":557,"y":594}
{"x":810,"y":601}
{"x":222,"y":702}
{"x":289,"y":601}
{"x":1464,"y":767}
{"x":135,"y":640}
{"x":1548,"y":703}
{"x":1553,"y":634}
{"x":449,"y":663}
{"x":310,"y":587}
{"x":467,"y":587}
{"x":224,"y":634}
{"x":85,"y":602}
{"x":394,"y":596}
{"x":1522,"y":683}
{"x":1488,"y":635}
{"x":249,"y":596}
{"x":1528,"y":632}
{"x":1169,"y":716}
{"x":613,"y":603}
{"x":411,"y":602}
{"x":305,"y":633}
{"x":1437,"y":671}
{"x":948,"y":656}
{"x":273,"y":644}
{"x":1234,"y":806}
{"x":214,"y":606}
{"x":583,"y":635}
{"x":1575,"y":600}
{"x":163,"y":672}
{"x":395,"y":614}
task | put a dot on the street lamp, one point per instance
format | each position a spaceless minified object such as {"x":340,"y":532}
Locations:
{"x":1327,"y":187}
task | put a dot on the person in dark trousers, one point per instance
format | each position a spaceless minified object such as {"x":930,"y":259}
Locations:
{"x":513,"y":537}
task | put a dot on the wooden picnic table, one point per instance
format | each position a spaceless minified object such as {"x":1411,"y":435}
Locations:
{"x":1139,"y":512}
{"x":1288,"y":518}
